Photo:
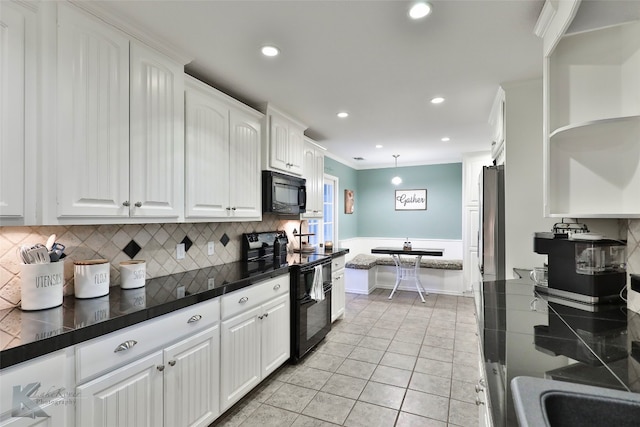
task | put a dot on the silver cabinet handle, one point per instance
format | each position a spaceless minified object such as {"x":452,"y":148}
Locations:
{"x":160,"y":368}
{"x":479,"y":402}
{"x":266,"y":315}
{"x":482,"y":382}
{"x":233,"y":208}
{"x":126,"y":203}
{"x":228,"y":208}
{"x":138,"y":204}
{"x":276,"y":287}
{"x":243,"y":300}
{"x":532,"y":304}
{"x":194,"y":319}
{"x":478,"y":388}
{"x":125,"y":346}
{"x":172,"y":363}
{"x":260,"y":317}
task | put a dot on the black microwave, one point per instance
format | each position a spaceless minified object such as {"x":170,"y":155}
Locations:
{"x":283,"y":194}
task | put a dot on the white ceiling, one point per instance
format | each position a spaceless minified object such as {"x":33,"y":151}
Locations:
{"x":364,"y":57}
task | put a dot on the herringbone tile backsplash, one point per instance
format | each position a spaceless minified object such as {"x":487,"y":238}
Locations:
{"x":157,"y":242}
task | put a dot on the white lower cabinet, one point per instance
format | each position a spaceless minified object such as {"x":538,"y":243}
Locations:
{"x":127,"y":397}
{"x":254,"y":336}
{"x":175,"y":384}
{"x":38,"y":392}
{"x":338,"y":297}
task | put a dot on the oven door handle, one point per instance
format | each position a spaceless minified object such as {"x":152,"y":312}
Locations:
{"x":307,"y":300}
{"x":327,"y":286}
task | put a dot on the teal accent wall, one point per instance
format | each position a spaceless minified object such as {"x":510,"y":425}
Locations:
{"x":375,"y":215}
{"x":375,"y":200}
{"x":347,"y":179}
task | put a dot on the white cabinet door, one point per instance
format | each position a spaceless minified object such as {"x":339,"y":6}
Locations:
{"x":12,"y":118}
{"x":44,"y":375}
{"x":338,"y":297}
{"x":276,"y":341}
{"x":296,"y":146}
{"x":207,"y":156}
{"x":240,"y":356}
{"x":157,"y":134}
{"x":127,"y":397}
{"x":279,"y":143}
{"x":192,"y":379}
{"x":244,"y":160}
{"x":93,"y":117}
{"x":313,"y":172}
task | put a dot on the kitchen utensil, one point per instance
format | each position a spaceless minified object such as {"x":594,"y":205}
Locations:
{"x":37,"y":254}
{"x":50,"y":242}
{"x":56,"y":252}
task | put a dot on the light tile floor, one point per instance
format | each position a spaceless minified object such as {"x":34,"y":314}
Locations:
{"x":395,"y":362}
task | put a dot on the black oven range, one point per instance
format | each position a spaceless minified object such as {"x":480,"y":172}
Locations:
{"x":310,"y":318}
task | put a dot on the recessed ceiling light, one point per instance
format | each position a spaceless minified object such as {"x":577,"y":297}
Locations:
{"x":378,"y":146}
{"x":343,"y":114}
{"x":437,"y":100}
{"x":419,"y":10}
{"x":445,"y":139}
{"x":270,"y":51}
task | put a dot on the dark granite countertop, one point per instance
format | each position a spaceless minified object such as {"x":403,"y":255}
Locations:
{"x":528,"y":333}
{"x":29,"y":334}
{"x":25,"y":335}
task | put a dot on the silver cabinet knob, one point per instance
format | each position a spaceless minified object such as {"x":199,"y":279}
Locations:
{"x":276,"y":287}
{"x":194,"y":319}
{"x":125,"y":346}
{"x":138,"y":204}
{"x":126,"y":203}
{"x":228,"y":208}
{"x":243,"y":300}
{"x":233,"y":208}
{"x":266,"y":315}
{"x":479,"y":402}
{"x":172,"y":363}
{"x":260,"y":317}
{"x":160,"y":368}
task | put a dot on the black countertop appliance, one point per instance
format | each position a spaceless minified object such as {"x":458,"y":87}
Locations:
{"x":583,"y":267}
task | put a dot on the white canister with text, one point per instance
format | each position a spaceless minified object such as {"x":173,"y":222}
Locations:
{"x":41,"y":285}
{"x":132,"y":274}
{"x":91,"y":278}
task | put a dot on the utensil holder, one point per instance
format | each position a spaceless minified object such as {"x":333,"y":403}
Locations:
{"x":132,"y":274}
{"x":41,"y":285}
{"x":91,"y":278}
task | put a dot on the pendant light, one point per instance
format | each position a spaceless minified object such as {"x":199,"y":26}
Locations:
{"x":396,"y":180}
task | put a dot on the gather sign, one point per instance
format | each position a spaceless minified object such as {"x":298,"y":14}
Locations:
{"x":411,"y":200}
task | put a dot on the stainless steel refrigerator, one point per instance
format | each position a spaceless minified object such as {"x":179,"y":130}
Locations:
{"x":491,"y":229}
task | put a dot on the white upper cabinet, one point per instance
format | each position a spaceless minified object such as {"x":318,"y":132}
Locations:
{"x":313,"y":172}
{"x":120,"y":112}
{"x":16,"y":137}
{"x":93,"y":117}
{"x":283,"y":142}
{"x":592,"y":122}
{"x":157,"y":134}
{"x":244,"y":159}
{"x":222,"y":156}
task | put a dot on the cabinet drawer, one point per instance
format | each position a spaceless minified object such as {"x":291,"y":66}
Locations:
{"x":118,"y":348}
{"x":337,"y":263}
{"x":254,"y":295}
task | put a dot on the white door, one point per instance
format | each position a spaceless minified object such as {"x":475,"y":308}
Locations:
{"x":338,"y":298}
{"x":296,"y":146}
{"x":157,"y":134}
{"x":207,"y":156}
{"x":127,"y":397}
{"x":12,"y":103}
{"x":93,"y":117}
{"x":191,"y":380}
{"x":244,"y":159}
{"x":279,"y":143}
{"x":276,"y":341}
{"x":240,"y":356}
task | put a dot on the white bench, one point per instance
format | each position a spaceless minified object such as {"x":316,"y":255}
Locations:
{"x":364,"y":273}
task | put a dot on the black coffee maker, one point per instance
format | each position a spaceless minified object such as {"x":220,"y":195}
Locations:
{"x":582,"y":266}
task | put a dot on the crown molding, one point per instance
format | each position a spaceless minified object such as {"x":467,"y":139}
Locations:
{"x":131,"y":29}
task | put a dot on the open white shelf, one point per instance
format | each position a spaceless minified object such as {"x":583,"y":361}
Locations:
{"x":593,"y":145}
